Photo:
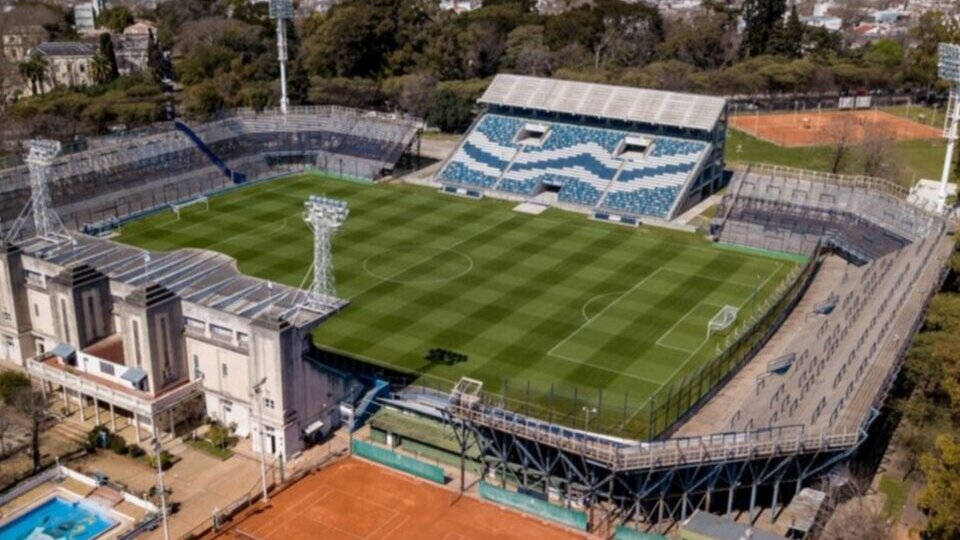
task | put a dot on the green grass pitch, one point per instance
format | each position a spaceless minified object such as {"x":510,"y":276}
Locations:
{"x":555,"y":303}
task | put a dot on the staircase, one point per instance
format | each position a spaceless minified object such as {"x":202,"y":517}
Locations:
{"x":236,"y":177}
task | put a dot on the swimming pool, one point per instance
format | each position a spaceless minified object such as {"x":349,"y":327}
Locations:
{"x":58,"y":518}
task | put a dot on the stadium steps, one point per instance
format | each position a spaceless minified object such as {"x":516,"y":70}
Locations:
{"x":610,"y":184}
{"x":238,"y":178}
{"x":509,"y":166}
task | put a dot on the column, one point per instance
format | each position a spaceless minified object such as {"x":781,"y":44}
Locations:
{"x":66,"y":402}
{"x":96,"y":409}
{"x":136,"y":426}
{"x":83,"y":414}
{"x":173,"y":432}
{"x":113,"y":420}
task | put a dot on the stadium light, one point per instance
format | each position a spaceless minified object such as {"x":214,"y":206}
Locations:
{"x":948,"y":67}
{"x":282,"y":11}
{"x":324,"y":216}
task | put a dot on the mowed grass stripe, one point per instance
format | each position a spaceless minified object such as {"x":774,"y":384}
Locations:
{"x":424,"y":270}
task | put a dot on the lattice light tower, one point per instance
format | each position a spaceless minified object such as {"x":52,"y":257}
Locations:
{"x":949,"y":67}
{"x":324,"y":216}
{"x":282,"y":11}
{"x":46,"y":222}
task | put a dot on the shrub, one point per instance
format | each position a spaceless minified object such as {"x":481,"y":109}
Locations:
{"x":166,"y":460}
{"x":221,"y":436}
{"x":135,"y":451}
{"x":118,"y":445}
{"x":98,"y":437}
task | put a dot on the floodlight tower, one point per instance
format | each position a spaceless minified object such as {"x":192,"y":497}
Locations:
{"x":282,"y":11}
{"x":46,"y":222}
{"x":324,"y":216}
{"x":948,"y":65}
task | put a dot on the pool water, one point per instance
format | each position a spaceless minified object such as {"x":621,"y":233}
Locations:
{"x":58,"y":518}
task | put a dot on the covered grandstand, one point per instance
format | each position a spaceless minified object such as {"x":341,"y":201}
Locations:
{"x":617,"y":153}
{"x":128,"y":175}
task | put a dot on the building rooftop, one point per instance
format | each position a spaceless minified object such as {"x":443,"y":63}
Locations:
{"x":64,"y":48}
{"x":197,"y":276}
{"x":606,"y":101}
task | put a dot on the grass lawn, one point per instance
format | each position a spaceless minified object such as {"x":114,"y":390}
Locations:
{"x":896,"y":492}
{"x":917,"y":159}
{"x":605,"y":313}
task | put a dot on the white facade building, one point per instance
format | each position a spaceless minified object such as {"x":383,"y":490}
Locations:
{"x":157,"y":336}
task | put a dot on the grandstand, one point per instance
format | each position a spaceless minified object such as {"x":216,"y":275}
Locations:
{"x":618,"y":153}
{"x":126,"y":176}
{"x":798,"y":396}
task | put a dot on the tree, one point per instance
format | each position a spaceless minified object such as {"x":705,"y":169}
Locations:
{"x":203,"y":100}
{"x":112,"y":71}
{"x":941,"y":495}
{"x":762,"y":18}
{"x":100,"y":69}
{"x":6,"y":423}
{"x":34,"y":70}
{"x":788,"y":40}
{"x":878,"y":154}
{"x":32,"y":406}
{"x":841,"y":135}
{"x":116,"y":18}
{"x":411,"y":93}
{"x":11,"y":383}
{"x":451,"y":108}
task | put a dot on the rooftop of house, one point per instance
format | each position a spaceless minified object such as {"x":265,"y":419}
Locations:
{"x":196,"y":276}
{"x":64,"y":48}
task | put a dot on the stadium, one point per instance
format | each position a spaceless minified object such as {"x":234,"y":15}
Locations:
{"x":621,"y":366}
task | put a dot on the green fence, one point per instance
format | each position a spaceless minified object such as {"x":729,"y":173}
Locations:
{"x":626,"y":533}
{"x":397,"y":461}
{"x":536,"y":507}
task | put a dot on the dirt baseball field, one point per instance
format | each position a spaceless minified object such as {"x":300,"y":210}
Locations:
{"x":812,"y":128}
{"x":354,"y":499}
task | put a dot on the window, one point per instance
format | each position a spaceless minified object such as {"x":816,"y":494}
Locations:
{"x":36,"y":310}
{"x":195,"y":324}
{"x":7,"y":317}
{"x":223,"y":369}
{"x":165,"y":337}
{"x":136,"y":342}
{"x":242,"y":339}
{"x":41,"y":347}
{"x":107,"y":368}
{"x":269,"y":403}
{"x":221,"y":332}
{"x":196,"y":367}
{"x":63,"y":319}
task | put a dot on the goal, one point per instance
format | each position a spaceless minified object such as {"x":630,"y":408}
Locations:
{"x":723,"y":320}
{"x":177,"y":207}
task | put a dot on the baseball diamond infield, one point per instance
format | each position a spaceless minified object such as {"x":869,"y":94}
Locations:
{"x":813,"y":128}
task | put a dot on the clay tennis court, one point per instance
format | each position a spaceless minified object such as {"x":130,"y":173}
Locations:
{"x":354,"y":499}
{"x":812,"y":128}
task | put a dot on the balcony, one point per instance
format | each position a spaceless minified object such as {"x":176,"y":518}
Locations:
{"x":92,"y":378}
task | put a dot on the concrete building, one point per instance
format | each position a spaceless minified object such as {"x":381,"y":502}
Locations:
{"x":68,"y":63}
{"x":460,"y":6}
{"x":158,"y":337}
{"x":17,"y":42}
{"x":85,"y":15}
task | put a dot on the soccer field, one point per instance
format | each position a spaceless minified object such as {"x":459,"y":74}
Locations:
{"x":555,"y":305}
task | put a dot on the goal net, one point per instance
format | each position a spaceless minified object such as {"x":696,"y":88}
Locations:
{"x":201,"y":200}
{"x":723,"y":320}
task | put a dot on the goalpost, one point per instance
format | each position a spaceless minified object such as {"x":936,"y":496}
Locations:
{"x":723,"y":320}
{"x":177,"y":207}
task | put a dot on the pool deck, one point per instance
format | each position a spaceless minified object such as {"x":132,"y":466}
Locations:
{"x":125,"y":513}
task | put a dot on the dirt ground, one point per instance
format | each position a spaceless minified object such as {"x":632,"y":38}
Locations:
{"x":354,"y":499}
{"x":812,"y":128}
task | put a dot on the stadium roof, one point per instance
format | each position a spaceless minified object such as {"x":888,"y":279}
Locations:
{"x":605,"y":101}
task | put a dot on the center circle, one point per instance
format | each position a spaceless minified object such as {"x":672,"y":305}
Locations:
{"x":418,"y":264}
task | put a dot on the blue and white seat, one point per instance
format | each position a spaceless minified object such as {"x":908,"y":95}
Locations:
{"x":485,"y":153}
{"x":651,"y":186}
